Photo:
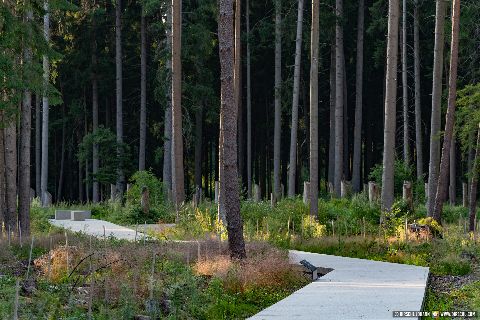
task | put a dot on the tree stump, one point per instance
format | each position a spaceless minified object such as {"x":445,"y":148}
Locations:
{"x":408,"y":194}
{"x":330,"y":188}
{"x":373,"y":192}
{"x":48,"y":199}
{"x":113,"y":192}
{"x":306,"y":192}
{"x":197,"y":199}
{"x":345,"y":189}
{"x":257,"y":193}
{"x":145,"y":201}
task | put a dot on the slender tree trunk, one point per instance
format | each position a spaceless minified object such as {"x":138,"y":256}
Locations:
{"x":296,"y":85}
{"x":249,"y":107}
{"x":418,"y":104}
{"x":143,"y":93}
{"x":390,"y":106}
{"x":11,"y":174}
{"x":406,"y":134}
{"x":357,"y":136}
{"x":38,"y":144}
{"x":62,"y":159}
{"x":95,"y":160}
{"x":314,"y":110}
{"x":436,"y":105}
{"x":453,"y":173}
{"x":119,"y":96}
{"x":177,"y":142}
{"x":339,"y":96}
{"x":167,"y":139}
{"x":450,"y":117}
{"x":278,"y":100}
{"x":2,"y":173}
{"x":331,"y":145}
{"x":346,"y":145}
{"x":24,"y":150}
{"x":45,"y":109}
{"x":228,"y":116}
{"x":238,"y":84}
{"x":198,"y":147}
{"x":473,"y":185}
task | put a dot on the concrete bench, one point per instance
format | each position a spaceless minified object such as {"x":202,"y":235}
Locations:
{"x":63,"y":214}
{"x":81,"y":215}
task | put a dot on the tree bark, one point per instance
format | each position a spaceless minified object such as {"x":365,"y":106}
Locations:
{"x":178,"y":187}
{"x":278,"y":100}
{"x":313,"y":192}
{"x":450,"y":116}
{"x":473,"y":186}
{"x":238,"y":85}
{"x":45,"y":109}
{"x":339,"y":96}
{"x":249,"y":106}
{"x":390,"y":107}
{"x":296,"y":85}
{"x":2,"y":173}
{"x":167,"y":139}
{"x":357,"y":136}
{"x":228,"y":116}
{"x":418,"y":104}
{"x":62,"y":159}
{"x":143,"y":92}
{"x":331,"y":145}
{"x":38,"y":144}
{"x":11,"y":174}
{"x":406,"y":134}
{"x":452,"y":188}
{"x":95,"y":160}
{"x":119,"y":96}
{"x":436,"y":105}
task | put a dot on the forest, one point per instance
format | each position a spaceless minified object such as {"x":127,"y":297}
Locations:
{"x":226,"y":134}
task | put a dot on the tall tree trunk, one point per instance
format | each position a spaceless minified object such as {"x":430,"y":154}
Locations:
{"x":2,"y":173}
{"x":38,"y":144}
{"x":452,"y":188}
{"x":198,"y":147}
{"x":339,"y":96}
{"x":177,"y":142}
{"x":472,"y":205}
{"x":167,"y":139}
{"x":390,"y":106}
{"x":450,"y":117}
{"x":278,"y":100}
{"x":238,"y":84}
{"x":228,"y":116}
{"x":62,"y":159}
{"x":119,"y":96}
{"x":314,"y":110}
{"x":45,"y":109}
{"x":296,"y":85}
{"x":357,"y":136}
{"x":95,"y":160}
{"x":249,"y":106}
{"x":11,"y":173}
{"x":346,"y":145}
{"x":143,"y":93}
{"x":436,"y":105}
{"x":406,"y":135}
{"x":331,"y":144}
{"x":418,"y":104}
{"x":24,"y":150}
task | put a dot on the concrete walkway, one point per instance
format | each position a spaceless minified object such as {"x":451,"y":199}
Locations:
{"x":355,"y":289}
{"x":96,"y":227}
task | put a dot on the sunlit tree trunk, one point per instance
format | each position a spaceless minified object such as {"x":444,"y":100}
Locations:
{"x":178,"y":188}
{"x":357,"y":136}
{"x":436,"y":105}
{"x":314,"y":110}
{"x":390,"y":106}
{"x":450,"y":117}
{"x":45,"y":109}
{"x":228,"y":119}
{"x":296,"y":86}
{"x":452,"y":188}
{"x":406,"y":134}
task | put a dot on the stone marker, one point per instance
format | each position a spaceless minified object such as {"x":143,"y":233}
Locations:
{"x":373,"y":192}
{"x":81,"y":215}
{"x":113,"y":192}
{"x":345,"y":189}
{"x":257,"y":193}
{"x":63,"y":214}
{"x":306,"y":192}
{"x":408,"y":194}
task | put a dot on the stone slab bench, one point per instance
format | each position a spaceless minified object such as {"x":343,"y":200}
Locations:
{"x":63,"y":214}
{"x":81,"y":215}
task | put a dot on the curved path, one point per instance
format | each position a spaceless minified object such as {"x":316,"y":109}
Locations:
{"x":355,"y":289}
